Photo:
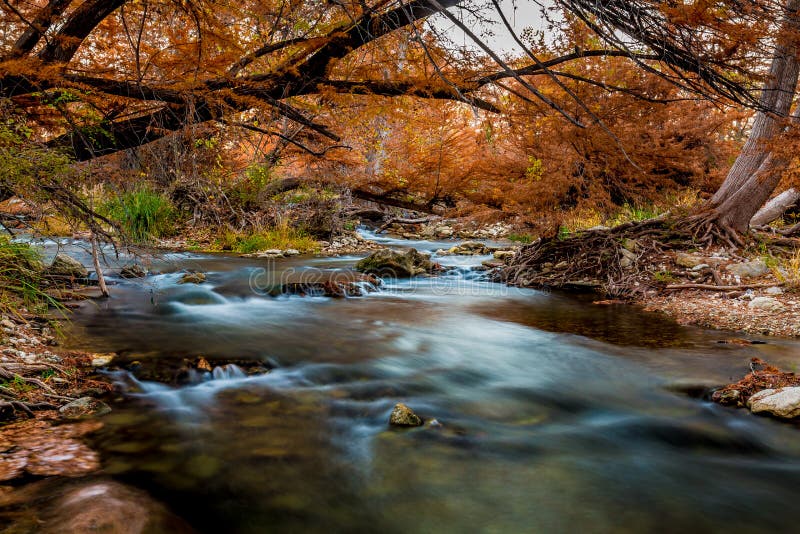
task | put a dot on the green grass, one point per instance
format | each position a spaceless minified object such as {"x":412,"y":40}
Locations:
{"x":21,"y":278}
{"x":280,"y":237}
{"x":521,"y":238}
{"x":143,"y":214}
{"x":665,"y":277}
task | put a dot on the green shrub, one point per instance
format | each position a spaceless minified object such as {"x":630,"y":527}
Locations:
{"x":143,"y":214}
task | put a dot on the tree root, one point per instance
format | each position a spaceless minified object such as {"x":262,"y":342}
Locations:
{"x":707,"y":227}
{"x":634,"y":258}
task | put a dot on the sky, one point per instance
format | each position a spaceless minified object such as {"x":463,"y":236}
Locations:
{"x":520,"y":13}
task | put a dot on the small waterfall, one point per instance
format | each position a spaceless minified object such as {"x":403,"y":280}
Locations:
{"x":227,"y":372}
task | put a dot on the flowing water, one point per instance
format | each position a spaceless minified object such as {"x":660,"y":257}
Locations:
{"x":552,"y":414}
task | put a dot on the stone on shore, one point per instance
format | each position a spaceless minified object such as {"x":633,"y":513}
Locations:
{"x":84,"y":407}
{"x":748,"y":269}
{"x":67,"y":266}
{"x":768,"y":304}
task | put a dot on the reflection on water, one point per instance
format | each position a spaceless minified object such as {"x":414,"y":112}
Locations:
{"x":554,"y":413}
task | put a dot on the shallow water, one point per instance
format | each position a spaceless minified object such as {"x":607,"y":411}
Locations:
{"x":553,"y":412}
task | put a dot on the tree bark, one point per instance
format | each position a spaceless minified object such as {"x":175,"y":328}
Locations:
{"x":757,"y":171}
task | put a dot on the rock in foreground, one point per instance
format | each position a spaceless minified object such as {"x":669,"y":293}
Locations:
{"x":67,"y":266}
{"x":402,"y":415}
{"x":388,"y":262}
{"x":107,"y":506}
{"x":84,"y":407}
{"x":782,"y":402}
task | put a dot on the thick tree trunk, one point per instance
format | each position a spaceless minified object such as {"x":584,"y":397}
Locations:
{"x":776,"y":207}
{"x":756,"y":172}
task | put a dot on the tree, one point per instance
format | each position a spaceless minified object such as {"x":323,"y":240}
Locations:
{"x":106,"y":76}
{"x":757,"y":170}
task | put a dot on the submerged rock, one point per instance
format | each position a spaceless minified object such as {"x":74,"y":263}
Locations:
{"x":84,"y":407}
{"x":36,"y":448}
{"x":388,"y":262}
{"x":67,"y":266}
{"x":331,"y":284}
{"x":192,"y":278}
{"x":781,"y":402}
{"x":107,"y":506}
{"x":402,"y":415}
{"x":697,"y":388}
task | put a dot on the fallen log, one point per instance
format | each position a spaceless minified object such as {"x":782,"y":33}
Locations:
{"x":775,"y":207}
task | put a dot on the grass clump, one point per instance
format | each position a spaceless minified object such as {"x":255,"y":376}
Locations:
{"x":787,"y":270}
{"x":143,"y":214}
{"x":525,"y":239}
{"x":21,"y":278}
{"x":282,"y":237}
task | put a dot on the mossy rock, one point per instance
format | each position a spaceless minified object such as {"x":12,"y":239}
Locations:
{"x":390,"y":263}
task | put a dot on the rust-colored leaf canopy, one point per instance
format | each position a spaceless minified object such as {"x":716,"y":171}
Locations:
{"x":100,"y":76}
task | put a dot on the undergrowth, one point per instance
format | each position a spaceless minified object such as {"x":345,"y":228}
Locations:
{"x":787,"y":270}
{"x":281,"y":237}
{"x":22,"y":279}
{"x":143,"y":214}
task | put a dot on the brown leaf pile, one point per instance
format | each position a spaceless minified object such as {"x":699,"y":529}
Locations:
{"x":767,"y":377}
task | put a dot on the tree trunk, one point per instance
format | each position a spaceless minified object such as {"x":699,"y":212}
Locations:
{"x":755,"y":173}
{"x":101,"y":279}
{"x":776,"y":207}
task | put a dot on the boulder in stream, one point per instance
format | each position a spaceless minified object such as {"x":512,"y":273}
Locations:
{"x":133,"y":271}
{"x":192,"y":278}
{"x":387,"y":262}
{"x":402,"y":415}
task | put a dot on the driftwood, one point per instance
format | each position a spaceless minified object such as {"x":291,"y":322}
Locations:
{"x":775,"y":207}
{"x":400,"y":220}
{"x":367,"y":213}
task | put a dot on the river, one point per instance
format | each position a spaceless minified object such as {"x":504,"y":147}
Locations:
{"x":552,"y":414}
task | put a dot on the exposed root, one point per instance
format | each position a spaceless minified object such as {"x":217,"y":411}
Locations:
{"x":708,"y":228}
{"x":633,"y":259}
{"x":610,"y":260}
